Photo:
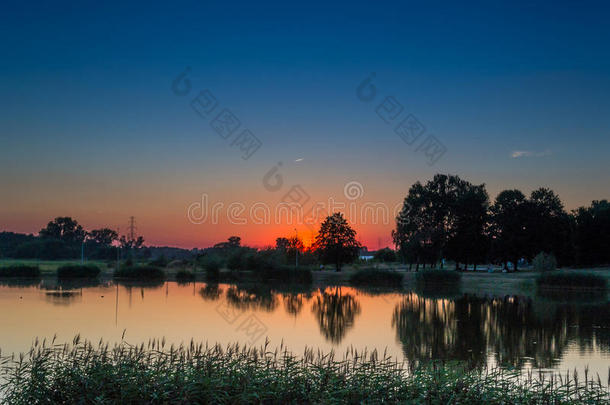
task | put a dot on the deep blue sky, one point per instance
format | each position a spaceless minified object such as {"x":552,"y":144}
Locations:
{"x":90,"y":126}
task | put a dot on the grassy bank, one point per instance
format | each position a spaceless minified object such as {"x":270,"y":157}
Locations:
{"x":82,"y":373}
{"x":439,"y":277}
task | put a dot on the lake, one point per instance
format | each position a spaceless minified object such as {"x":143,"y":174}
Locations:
{"x":549,"y":333}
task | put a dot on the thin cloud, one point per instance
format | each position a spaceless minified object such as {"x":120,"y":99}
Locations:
{"x":516,"y":154}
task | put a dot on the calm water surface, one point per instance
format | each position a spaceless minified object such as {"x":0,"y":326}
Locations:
{"x":548,"y":333}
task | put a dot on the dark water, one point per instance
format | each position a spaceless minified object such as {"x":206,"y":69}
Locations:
{"x":551,"y":333}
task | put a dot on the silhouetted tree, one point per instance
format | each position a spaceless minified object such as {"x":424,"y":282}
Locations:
{"x":103,"y":236}
{"x":385,"y":255}
{"x":511,"y":214}
{"x":549,"y":226}
{"x":231,"y":243}
{"x":592,"y":233}
{"x":468,"y":242}
{"x":65,"y":229}
{"x":131,"y":243}
{"x":281,"y":244}
{"x":435,"y":214}
{"x":336,"y":241}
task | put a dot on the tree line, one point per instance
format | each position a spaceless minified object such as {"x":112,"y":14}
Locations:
{"x":445,"y":219}
{"x":65,"y":238}
{"x":451,"y":218}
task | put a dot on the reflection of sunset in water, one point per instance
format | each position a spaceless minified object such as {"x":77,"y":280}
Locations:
{"x":515,"y":331}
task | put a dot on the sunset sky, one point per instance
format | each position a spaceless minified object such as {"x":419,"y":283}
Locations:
{"x":91,"y":127}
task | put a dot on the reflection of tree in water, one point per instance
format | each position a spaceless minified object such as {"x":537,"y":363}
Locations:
{"x":211,"y":292}
{"x":253,"y":297}
{"x":293,"y":302}
{"x":335,"y":312}
{"x":515,"y":328}
{"x":518,"y":328}
{"x":432,"y":329}
{"x":541,"y":330}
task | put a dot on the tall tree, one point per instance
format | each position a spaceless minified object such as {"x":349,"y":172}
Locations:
{"x":469,"y":242}
{"x":549,"y":226}
{"x":430,"y":217}
{"x":289,"y":247}
{"x":592,"y":233}
{"x":65,"y":229}
{"x":336,"y":241}
{"x":131,"y":243}
{"x":103,"y":236}
{"x":511,"y":215}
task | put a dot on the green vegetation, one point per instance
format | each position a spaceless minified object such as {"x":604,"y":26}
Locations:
{"x":20,"y":270}
{"x":438,"y":277}
{"x":212,"y":269}
{"x":385,"y":255}
{"x":376,"y":277}
{"x":78,"y":271}
{"x":142,"y":272}
{"x":571,"y":280}
{"x":544,"y":262}
{"x":184,"y":276}
{"x":83,"y":373}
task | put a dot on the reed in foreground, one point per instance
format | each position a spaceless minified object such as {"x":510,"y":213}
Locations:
{"x":83,"y":373}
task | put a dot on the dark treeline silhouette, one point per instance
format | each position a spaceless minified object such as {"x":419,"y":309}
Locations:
{"x":335,"y":244}
{"x":447,"y":218}
{"x":62,"y":238}
{"x":451,"y":218}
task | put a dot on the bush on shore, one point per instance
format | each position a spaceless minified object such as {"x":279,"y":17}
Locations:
{"x":376,"y":277}
{"x":197,"y":373}
{"x":544,"y":262}
{"x":571,"y":280}
{"x":78,"y":271}
{"x":212,"y":268}
{"x":438,"y":277}
{"x":20,"y":270}
{"x":142,"y":272}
